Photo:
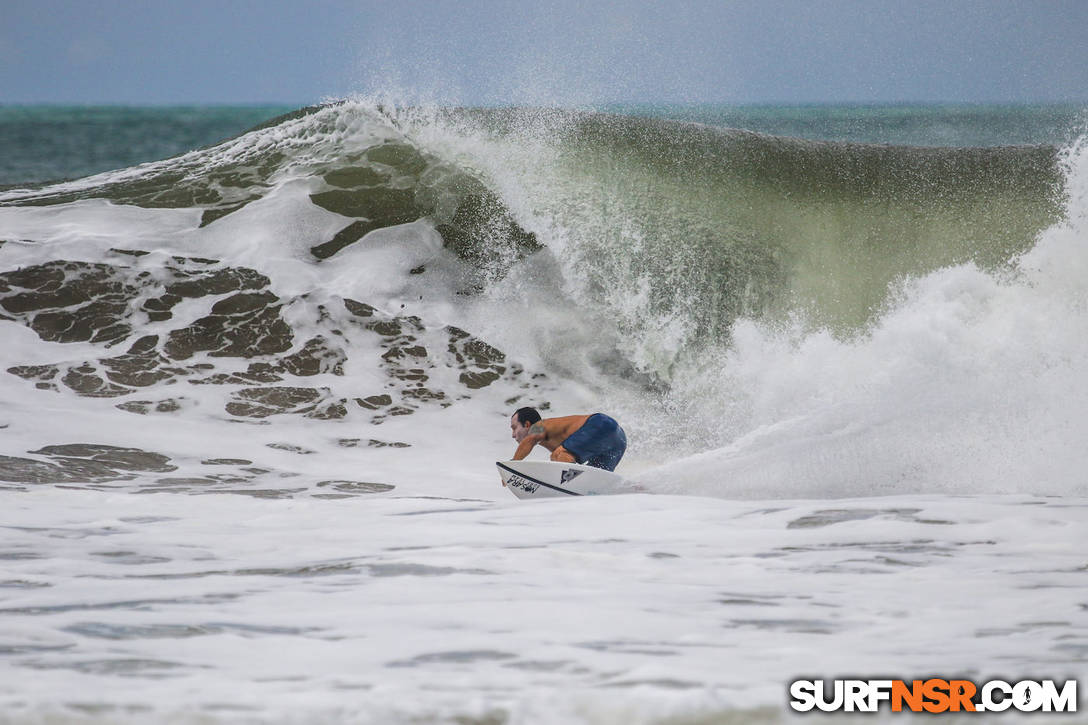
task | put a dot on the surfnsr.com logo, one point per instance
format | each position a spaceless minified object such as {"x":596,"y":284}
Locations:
{"x":933,"y":695}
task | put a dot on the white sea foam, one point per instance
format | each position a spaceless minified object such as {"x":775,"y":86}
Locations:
{"x":224,"y":608}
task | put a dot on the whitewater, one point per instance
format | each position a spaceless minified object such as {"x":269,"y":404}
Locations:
{"x":254,"y":395}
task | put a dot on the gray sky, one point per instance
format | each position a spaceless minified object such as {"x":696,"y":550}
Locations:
{"x":565,"y":52}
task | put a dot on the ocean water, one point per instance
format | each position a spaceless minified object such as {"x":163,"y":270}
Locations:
{"x":49,"y":143}
{"x":253,"y":396}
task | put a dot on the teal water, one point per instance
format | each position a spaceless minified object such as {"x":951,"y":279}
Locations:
{"x":49,"y":143}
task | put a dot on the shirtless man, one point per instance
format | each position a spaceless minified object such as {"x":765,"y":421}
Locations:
{"x":595,"y":440}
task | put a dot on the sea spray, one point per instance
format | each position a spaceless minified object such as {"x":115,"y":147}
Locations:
{"x":970,"y":380}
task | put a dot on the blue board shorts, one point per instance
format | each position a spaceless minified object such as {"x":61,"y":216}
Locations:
{"x":600,"y":442}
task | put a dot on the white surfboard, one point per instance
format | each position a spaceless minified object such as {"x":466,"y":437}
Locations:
{"x":543,"y":479}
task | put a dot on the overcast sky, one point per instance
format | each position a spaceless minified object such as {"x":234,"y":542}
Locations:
{"x":565,"y":52}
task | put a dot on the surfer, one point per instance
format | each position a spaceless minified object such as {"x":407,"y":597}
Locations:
{"x":595,"y":440}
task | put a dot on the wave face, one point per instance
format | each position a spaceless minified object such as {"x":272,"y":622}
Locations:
{"x":772,"y":304}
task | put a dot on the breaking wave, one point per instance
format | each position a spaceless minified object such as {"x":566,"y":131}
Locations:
{"x":804,"y":317}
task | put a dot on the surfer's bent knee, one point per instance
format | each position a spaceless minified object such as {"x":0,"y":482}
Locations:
{"x":562,"y":455}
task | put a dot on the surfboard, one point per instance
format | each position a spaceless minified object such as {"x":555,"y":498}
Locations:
{"x":546,"y":479}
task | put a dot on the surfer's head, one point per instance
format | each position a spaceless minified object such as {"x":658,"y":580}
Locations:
{"x":520,"y":422}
